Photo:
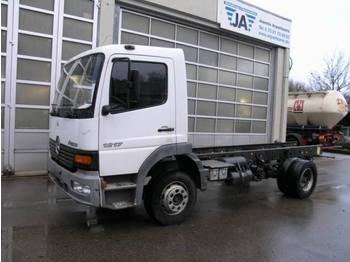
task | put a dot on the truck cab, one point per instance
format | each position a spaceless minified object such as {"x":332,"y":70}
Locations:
{"x":118,"y":111}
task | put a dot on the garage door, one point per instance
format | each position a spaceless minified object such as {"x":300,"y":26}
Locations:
{"x":228,"y":80}
{"x":37,"y":38}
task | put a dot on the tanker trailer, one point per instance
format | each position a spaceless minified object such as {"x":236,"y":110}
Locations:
{"x":313,"y":117}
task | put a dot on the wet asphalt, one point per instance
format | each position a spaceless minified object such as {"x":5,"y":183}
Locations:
{"x":255,"y":223}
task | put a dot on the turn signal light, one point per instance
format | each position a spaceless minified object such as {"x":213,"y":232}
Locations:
{"x":103,"y":184}
{"x":83,"y":160}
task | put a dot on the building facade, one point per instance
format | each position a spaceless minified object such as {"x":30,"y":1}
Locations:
{"x":237,"y":84}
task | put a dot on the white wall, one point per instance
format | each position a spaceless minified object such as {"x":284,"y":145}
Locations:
{"x":207,"y":10}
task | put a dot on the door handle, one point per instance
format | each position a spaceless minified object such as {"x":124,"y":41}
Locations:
{"x":165,"y":129}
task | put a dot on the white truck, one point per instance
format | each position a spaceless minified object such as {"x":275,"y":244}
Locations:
{"x":313,"y":117}
{"x":119,"y":136}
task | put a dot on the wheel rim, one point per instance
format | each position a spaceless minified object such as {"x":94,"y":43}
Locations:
{"x":306,"y":179}
{"x":174,"y":198}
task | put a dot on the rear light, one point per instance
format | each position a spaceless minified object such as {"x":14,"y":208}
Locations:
{"x":321,"y":138}
{"x":85,"y":160}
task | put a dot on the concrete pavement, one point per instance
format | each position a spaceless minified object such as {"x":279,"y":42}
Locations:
{"x":255,"y":223}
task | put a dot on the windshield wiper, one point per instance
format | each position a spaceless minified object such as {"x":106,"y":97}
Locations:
{"x":70,"y":112}
{"x":54,"y":111}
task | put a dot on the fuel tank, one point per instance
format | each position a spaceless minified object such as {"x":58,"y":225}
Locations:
{"x":322,"y":109}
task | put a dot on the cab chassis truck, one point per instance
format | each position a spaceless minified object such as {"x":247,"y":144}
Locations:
{"x":118,"y":137}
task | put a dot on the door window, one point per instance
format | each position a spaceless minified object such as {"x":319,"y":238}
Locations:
{"x":143,"y":85}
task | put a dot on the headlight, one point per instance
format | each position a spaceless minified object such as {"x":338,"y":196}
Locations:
{"x":82,"y":189}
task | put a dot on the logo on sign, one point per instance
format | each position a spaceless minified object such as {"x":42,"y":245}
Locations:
{"x":298,"y":105}
{"x":239,"y":17}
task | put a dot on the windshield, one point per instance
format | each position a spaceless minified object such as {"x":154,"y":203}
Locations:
{"x":76,"y":89}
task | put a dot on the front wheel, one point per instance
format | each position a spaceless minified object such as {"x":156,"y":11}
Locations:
{"x":170,"y":197}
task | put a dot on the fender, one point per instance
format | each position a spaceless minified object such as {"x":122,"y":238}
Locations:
{"x":161,"y":153}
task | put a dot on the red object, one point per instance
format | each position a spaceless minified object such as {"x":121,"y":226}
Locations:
{"x":321,"y":138}
{"x":83,"y":159}
{"x":298,"y":105}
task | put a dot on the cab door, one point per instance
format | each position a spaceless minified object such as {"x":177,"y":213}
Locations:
{"x":138,"y":102}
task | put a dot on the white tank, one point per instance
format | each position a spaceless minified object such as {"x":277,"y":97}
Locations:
{"x":323,"y":109}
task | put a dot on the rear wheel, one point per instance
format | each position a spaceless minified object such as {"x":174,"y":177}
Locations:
{"x":296,"y":139}
{"x":282,"y":175}
{"x":297,"y":178}
{"x":170,"y":197}
{"x":302,"y":178}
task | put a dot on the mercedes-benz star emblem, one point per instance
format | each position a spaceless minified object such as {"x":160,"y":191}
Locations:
{"x":57,"y":145}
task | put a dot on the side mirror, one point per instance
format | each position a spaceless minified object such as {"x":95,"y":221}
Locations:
{"x":106,"y":110}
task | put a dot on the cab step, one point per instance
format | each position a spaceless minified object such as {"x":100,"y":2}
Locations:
{"x":122,"y":205}
{"x":120,"y":186}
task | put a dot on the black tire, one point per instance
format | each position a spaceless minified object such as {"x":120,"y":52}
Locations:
{"x":282,"y":175}
{"x":170,"y":187}
{"x":296,"y":139}
{"x":302,"y":179}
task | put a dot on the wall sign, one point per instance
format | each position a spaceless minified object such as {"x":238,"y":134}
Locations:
{"x":242,"y":18}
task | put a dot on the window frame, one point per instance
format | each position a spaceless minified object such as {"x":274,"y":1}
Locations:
{"x":119,"y":111}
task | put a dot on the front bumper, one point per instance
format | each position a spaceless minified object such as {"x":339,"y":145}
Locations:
{"x":63,"y":178}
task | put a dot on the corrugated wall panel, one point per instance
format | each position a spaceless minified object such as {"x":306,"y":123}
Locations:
{"x":229,"y":81}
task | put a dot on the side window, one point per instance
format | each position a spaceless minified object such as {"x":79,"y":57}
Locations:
{"x":145,"y":85}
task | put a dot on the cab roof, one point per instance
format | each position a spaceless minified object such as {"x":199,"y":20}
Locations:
{"x":109,"y":50}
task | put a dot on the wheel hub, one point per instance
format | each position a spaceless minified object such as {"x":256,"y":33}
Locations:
{"x":306,"y":179}
{"x":174,"y":198}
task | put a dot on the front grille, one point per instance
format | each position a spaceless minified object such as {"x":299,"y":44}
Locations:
{"x":65,"y":155}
